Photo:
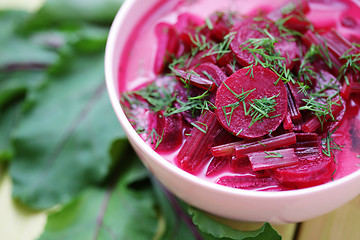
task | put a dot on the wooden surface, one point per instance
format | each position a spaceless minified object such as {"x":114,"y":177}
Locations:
{"x":343,"y":223}
{"x":340,"y":224}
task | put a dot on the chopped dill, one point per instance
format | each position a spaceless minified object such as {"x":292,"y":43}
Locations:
{"x":273,"y":155}
{"x":199,"y":126}
{"x":260,"y":108}
{"x":320,"y":109}
{"x":328,"y":145}
{"x":155,"y":138}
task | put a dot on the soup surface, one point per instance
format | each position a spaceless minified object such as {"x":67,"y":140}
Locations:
{"x":248,"y":95}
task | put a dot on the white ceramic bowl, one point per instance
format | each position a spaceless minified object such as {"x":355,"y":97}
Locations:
{"x":235,"y":204}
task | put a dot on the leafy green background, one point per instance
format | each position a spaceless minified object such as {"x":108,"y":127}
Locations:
{"x":61,"y":143}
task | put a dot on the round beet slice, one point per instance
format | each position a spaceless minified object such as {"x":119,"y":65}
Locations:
{"x":309,"y":172}
{"x":249,"y":88}
{"x":211,"y":71}
{"x":252,"y":29}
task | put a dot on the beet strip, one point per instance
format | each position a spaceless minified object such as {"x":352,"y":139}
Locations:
{"x":287,"y":123}
{"x":194,"y":154}
{"x":329,"y":57}
{"x":247,"y":182}
{"x":295,"y":8}
{"x":216,"y":165}
{"x":314,"y":123}
{"x":306,"y":151}
{"x":272,"y":159}
{"x":238,"y":163}
{"x":266,"y":144}
{"x":293,"y":110}
{"x":225,"y":149}
{"x":355,"y":87}
{"x":306,"y":137}
{"x":338,"y":45}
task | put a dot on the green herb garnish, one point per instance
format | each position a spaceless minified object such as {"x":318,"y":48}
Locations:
{"x":273,"y":155}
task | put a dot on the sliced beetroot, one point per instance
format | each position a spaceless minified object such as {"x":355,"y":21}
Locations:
{"x":183,"y":94}
{"x":304,"y":140}
{"x":338,"y":45}
{"x":306,"y":151}
{"x":272,"y":159}
{"x":196,"y":80}
{"x":225,"y":59}
{"x":287,"y":123}
{"x":240,"y":148}
{"x":230,"y":102}
{"x":297,"y":95}
{"x":237,"y":163}
{"x":168,"y":45}
{"x":247,"y":182}
{"x":331,"y":126}
{"x":217,"y":165}
{"x":195,"y":152}
{"x":231,"y":68}
{"x":220,"y":24}
{"x":227,"y":149}
{"x":188,"y":22}
{"x":326,"y":84}
{"x":309,"y":172}
{"x":212,"y":72}
{"x":337,"y":113}
{"x":165,"y":133}
{"x":293,"y":106}
{"x":200,"y":58}
{"x":253,"y":29}
{"x":306,"y":137}
{"x":293,"y":8}
{"x":292,"y":15}
{"x":332,"y":47}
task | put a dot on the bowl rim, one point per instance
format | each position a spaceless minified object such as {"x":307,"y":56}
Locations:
{"x":110,"y":79}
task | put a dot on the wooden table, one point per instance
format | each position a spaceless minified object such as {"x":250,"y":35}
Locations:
{"x":343,"y":223}
{"x":340,"y":224}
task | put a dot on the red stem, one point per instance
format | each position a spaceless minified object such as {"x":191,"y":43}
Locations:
{"x":266,"y":144}
{"x":272,"y":159}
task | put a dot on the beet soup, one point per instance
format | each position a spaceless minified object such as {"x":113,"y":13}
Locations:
{"x":248,"y":96}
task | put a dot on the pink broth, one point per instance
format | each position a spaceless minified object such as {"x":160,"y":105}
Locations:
{"x":137,"y":64}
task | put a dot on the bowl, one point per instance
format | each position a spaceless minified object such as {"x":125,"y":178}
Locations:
{"x":225,"y":202}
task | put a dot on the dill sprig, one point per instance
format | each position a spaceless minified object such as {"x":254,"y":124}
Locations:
{"x":264,"y":54}
{"x":273,"y":155}
{"x":241,"y":98}
{"x":201,"y":43}
{"x":261,"y":108}
{"x":201,"y":129}
{"x":306,"y":69}
{"x":194,"y":104}
{"x":321,"y":108}
{"x":220,"y":49}
{"x":155,"y":138}
{"x":352,"y":62}
{"x":328,"y":145}
{"x":158,"y":97}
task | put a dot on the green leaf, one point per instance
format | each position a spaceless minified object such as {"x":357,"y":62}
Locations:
{"x":17,"y":49}
{"x":10,"y":21}
{"x":215,"y":230}
{"x":9,"y":118}
{"x":95,"y":11}
{"x":16,"y":85}
{"x":63,"y":142}
{"x":177,"y":223}
{"x":124,"y":211}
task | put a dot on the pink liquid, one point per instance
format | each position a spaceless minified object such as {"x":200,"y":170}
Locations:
{"x":137,"y":61}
